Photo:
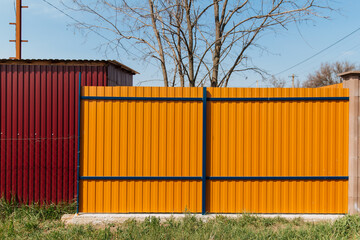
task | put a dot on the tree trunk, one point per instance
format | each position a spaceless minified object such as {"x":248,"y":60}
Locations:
{"x":179,"y":57}
{"x":217,"y":48}
{"x":191,"y":44}
{"x":158,"y":38}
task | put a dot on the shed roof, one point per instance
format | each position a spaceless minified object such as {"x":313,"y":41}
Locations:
{"x":68,"y":62}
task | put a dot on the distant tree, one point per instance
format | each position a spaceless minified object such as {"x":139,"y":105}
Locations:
{"x":275,"y":82}
{"x":328,"y":74}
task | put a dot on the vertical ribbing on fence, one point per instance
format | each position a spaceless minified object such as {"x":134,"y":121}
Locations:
{"x":203,"y":211}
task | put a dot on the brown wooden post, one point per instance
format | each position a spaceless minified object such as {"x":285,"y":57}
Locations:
{"x":351,"y":80}
{"x":18,"y":40}
{"x":18,"y":29}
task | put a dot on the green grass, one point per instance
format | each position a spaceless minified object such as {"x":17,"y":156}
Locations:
{"x":35,"y":222}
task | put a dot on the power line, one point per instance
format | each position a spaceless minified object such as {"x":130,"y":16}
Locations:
{"x":76,"y":20}
{"x":251,"y":85}
{"x":97,"y":33}
{"x":15,"y":7}
{"x":321,"y":51}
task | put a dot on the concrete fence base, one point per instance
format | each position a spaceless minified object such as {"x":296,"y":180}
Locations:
{"x":104,"y":219}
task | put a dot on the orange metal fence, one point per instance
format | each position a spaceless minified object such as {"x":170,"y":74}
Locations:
{"x":277,"y":138}
{"x":338,"y":85}
{"x":141,"y":138}
{"x":264,"y":150}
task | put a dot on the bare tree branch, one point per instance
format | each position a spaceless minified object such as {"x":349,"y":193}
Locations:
{"x":198,"y":42}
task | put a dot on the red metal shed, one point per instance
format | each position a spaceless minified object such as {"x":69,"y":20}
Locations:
{"x":38,"y":124}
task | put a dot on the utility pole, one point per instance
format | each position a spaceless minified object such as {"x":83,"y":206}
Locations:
{"x":18,"y":23}
{"x":293,"y":80}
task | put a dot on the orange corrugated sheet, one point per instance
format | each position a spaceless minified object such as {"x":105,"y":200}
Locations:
{"x":277,"y":138}
{"x":141,"y":138}
{"x":338,"y":85}
{"x":253,"y":138}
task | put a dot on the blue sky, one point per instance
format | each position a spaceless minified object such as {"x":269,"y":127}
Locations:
{"x":52,"y":35}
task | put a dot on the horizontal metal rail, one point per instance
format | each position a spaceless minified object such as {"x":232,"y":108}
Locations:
{"x":160,"y":178}
{"x":269,"y":178}
{"x":224,"y":178}
{"x":142,"y":98}
{"x":281,"y":99}
{"x":216,"y":99}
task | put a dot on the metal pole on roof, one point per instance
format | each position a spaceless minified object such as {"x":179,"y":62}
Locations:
{"x":18,"y":24}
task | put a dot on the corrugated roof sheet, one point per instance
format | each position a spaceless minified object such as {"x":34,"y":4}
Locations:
{"x":68,"y":62}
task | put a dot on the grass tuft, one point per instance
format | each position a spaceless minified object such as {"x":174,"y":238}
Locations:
{"x":43,"y":222}
{"x":16,"y":210}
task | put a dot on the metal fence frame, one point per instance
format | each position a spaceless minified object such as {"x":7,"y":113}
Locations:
{"x":202,"y":178}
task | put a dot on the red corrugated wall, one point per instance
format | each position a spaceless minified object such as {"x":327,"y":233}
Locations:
{"x":38,"y":126}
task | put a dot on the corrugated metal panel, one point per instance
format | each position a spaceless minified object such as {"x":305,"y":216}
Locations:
{"x":244,"y":139}
{"x":141,"y":138}
{"x":277,"y":138}
{"x":339,"y":85}
{"x":38,"y":107}
{"x":117,"y":77}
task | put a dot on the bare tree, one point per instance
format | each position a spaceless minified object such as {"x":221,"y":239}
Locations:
{"x":197,"y":41}
{"x":328,"y":74}
{"x":275,"y":82}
